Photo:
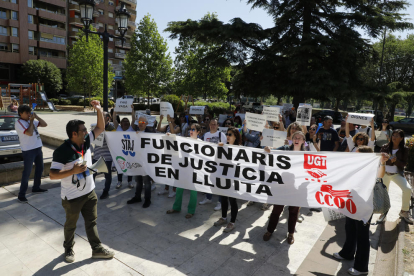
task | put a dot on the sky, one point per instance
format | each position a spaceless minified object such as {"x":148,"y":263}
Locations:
{"x":164,"y":11}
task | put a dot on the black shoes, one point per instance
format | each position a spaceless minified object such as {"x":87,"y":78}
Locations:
{"x":22,"y":199}
{"x":39,"y":191}
{"x":134,"y":200}
{"x":69,"y":255}
{"x":104,"y":195}
{"x":146,"y":204}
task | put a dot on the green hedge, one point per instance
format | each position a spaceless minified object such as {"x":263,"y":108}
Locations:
{"x":54,"y":101}
{"x":215,"y":108}
{"x":65,"y":102}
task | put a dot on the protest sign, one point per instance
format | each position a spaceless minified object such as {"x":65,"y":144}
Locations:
{"x":123,"y":105}
{"x":223,"y":129}
{"x":151,"y":119}
{"x":330,"y":214}
{"x":360,"y":118}
{"x":241,"y":115}
{"x":295,"y":178}
{"x":304,"y":104}
{"x":99,"y":140}
{"x":222,"y":118}
{"x":287,"y":106}
{"x":197,"y":110}
{"x":272,"y":113}
{"x":166,"y":109}
{"x":273,"y":138}
{"x":255,"y":121}
{"x":304,"y":115}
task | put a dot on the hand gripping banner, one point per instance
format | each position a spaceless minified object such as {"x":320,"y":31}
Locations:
{"x":339,"y":181}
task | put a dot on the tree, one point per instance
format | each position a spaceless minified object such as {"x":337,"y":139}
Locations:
{"x":148,"y":66}
{"x":314,"y":48}
{"x":46,"y":72}
{"x":86,"y":59}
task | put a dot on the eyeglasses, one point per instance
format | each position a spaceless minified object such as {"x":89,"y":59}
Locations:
{"x":229,"y":124}
{"x":142,"y":122}
{"x":275,"y":127}
{"x":229,"y":134}
{"x":360,"y":139}
{"x":192,"y":129}
{"x":312,"y":129}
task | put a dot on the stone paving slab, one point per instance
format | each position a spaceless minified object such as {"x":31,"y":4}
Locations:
{"x":150,"y":242}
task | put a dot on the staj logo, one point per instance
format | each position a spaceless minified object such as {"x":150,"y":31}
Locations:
{"x":315,"y":166}
{"x":127,"y":146}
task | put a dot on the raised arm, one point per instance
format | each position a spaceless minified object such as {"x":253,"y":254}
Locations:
{"x":372,"y":130}
{"x":100,"y":122}
{"x":346,"y":127}
{"x":42,"y":123}
{"x":116,"y":123}
{"x":281,"y":123}
{"x":132,"y":115}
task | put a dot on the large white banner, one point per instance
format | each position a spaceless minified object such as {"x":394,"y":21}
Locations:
{"x":339,"y":181}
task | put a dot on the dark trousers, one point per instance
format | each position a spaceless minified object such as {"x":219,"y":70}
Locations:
{"x":141,"y":181}
{"x":274,"y":218}
{"x":87,"y":205}
{"x":357,"y":243}
{"x":225,"y":206}
{"x":29,"y":157}
{"x":210,"y":196}
{"x":108,"y":176}
{"x":120,"y":177}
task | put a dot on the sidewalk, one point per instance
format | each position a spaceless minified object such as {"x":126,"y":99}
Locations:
{"x":150,"y":242}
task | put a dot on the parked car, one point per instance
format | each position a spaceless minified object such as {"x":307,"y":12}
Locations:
{"x":63,"y":97}
{"x":251,"y":106}
{"x":9,"y":140}
{"x":406,"y":124}
{"x":336,"y":116}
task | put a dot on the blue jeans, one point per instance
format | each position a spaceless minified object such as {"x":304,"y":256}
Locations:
{"x":210,"y":196}
{"x":108,"y":176}
{"x":29,"y":157}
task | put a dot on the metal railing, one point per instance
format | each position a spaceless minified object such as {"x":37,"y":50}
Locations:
{"x":120,"y":55}
{"x":126,"y":44}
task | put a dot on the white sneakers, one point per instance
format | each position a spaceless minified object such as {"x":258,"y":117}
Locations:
{"x":337,"y":256}
{"x":163,"y":192}
{"x":171,"y":193}
{"x":130,"y":185}
{"x":352,"y":270}
{"x":118,"y":185}
{"x":153,"y":187}
{"x":218,"y":206}
{"x":205,"y":201}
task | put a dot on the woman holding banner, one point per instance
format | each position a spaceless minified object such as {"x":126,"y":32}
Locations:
{"x":233,"y":138}
{"x":357,"y":246}
{"x":195,"y":131}
{"x":394,"y":171}
{"x":298,"y":144}
{"x":359,"y":139}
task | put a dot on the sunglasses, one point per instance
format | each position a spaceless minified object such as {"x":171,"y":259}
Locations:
{"x":312,"y":129}
{"x":360,"y":139}
{"x":276,"y":127}
{"x":192,"y":129}
{"x":229,"y":134}
{"x":142,"y":122}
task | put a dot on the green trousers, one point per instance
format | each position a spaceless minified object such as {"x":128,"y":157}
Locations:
{"x":179,"y":200}
{"x":87,"y":205}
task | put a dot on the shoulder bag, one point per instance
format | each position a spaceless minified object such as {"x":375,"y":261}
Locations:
{"x":381,"y":199}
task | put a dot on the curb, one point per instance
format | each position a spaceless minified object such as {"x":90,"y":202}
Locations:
{"x":11,"y":173}
{"x":51,"y":140}
{"x":399,"y":258}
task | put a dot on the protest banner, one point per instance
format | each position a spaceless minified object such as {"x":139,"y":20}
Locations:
{"x":123,"y":105}
{"x":330,"y":214}
{"x":197,"y":110}
{"x":222,"y":118}
{"x":304,"y":115}
{"x":223,"y":129}
{"x":241,"y":115}
{"x":166,"y":108}
{"x":295,"y":178}
{"x":272,"y":113}
{"x":360,"y":118}
{"x":255,"y":121}
{"x":273,"y":138}
{"x":151,"y":119}
{"x":287,"y":106}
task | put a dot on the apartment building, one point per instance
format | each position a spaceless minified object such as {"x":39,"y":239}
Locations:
{"x":42,"y":29}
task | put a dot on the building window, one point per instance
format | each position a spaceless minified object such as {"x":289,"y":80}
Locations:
{"x":4,"y":47}
{"x":31,"y":50}
{"x":3,"y":30}
{"x":14,"y":15}
{"x":111,"y":39}
{"x":110,"y":61}
{"x":110,"y":27}
{"x":31,"y":34}
{"x":110,"y":50}
{"x":14,"y":32}
{"x":100,"y":25}
{"x":13,"y":1}
{"x":30,"y":3}
{"x":110,"y":14}
{"x":111,"y":3}
{"x":101,"y":12}
{"x":3,"y":14}
{"x":15,"y":48}
{"x":30,"y":19}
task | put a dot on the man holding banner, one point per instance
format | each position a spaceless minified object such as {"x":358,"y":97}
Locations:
{"x":70,"y":164}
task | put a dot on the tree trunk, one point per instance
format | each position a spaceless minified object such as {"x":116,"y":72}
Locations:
{"x":148,"y":99}
{"x":392,"y":111}
{"x":338,"y":100}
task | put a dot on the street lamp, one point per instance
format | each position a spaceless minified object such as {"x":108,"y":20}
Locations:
{"x":84,"y":92}
{"x":231,"y":89}
{"x":86,"y":7}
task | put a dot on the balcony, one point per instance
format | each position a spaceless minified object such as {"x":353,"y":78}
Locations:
{"x":96,"y":14}
{"x":73,"y":6}
{"x":52,"y":15}
{"x":120,"y":55}
{"x":127,"y":34}
{"x":132,"y":24}
{"x":119,"y":44}
{"x":75,"y":21}
{"x":131,"y":1}
{"x":73,"y":34}
{"x":116,"y":67}
{"x":131,"y":11}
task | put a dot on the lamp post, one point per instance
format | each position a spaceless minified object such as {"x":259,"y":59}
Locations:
{"x":86,"y":7}
{"x":228,"y":95}
{"x":84,"y":92}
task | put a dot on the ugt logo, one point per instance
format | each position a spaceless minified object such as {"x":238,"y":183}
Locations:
{"x":127,"y":146}
{"x":315,"y":164}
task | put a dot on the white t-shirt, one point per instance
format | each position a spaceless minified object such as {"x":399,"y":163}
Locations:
{"x":353,"y":148}
{"x":64,"y":158}
{"x":120,"y":128}
{"x":392,"y":169}
{"x":28,"y":142}
{"x":214,"y":137}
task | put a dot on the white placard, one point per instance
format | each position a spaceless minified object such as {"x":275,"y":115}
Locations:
{"x":303,"y":104}
{"x":197,"y":110}
{"x":123,"y":105}
{"x":151,"y":119}
{"x":255,"y":121}
{"x":222,"y":118}
{"x":330,"y":214}
{"x":287,"y":106}
{"x":272,"y":113}
{"x":99,"y":140}
{"x":360,"y":118}
{"x":242,"y":116}
{"x":304,"y":115}
{"x":273,"y":138}
{"x":223,"y":129}
{"x":166,"y":108}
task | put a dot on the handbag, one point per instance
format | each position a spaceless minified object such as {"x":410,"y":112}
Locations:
{"x":381,"y":199}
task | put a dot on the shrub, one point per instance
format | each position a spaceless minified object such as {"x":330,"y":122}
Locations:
{"x":54,"y":101}
{"x":74,"y":101}
{"x":64,"y":102}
